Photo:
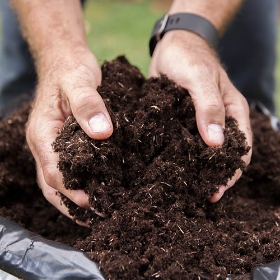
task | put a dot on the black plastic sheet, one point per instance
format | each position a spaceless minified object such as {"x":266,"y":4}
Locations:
{"x":29,"y":256}
{"x":269,"y":271}
{"x":6,"y":276}
{"x":26,"y":255}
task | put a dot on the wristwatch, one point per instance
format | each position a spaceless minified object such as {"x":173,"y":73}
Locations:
{"x":184,"y":21}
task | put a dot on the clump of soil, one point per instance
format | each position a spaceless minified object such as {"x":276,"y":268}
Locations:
{"x":149,"y":185}
{"x":21,"y":199}
{"x":156,"y":145}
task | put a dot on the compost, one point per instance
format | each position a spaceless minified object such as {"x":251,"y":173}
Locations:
{"x":149,"y":185}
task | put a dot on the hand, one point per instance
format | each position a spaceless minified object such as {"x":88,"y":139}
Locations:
{"x":188,"y":60}
{"x":67,"y":85}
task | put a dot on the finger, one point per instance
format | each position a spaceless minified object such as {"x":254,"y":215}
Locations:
{"x":246,"y":158}
{"x":40,"y":144}
{"x":89,"y":109}
{"x":245,"y":127}
{"x":238,"y":108}
{"x":54,"y":197}
{"x":202,"y":82}
{"x":210,"y":110}
{"x":218,"y":195}
{"x":240,"y":111}
{"x":222,"y":189}
{"x":54,"y":178}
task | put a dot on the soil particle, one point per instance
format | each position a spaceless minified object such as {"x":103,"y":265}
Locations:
{"x":149,"y":185}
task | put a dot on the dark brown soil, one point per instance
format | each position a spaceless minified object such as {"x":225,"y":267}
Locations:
{"x":149,"y":184}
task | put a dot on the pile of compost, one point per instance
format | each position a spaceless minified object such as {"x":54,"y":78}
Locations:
{"x":149,"y":184}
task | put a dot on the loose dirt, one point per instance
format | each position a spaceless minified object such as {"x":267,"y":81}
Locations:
{"x":149,"y":186}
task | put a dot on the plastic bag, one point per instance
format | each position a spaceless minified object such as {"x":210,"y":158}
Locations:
{"x":269,"y":271}
{"x":29,"y":256}
{"x":6,"y":276}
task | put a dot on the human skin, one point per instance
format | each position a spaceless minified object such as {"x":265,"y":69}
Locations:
{"x":190,"y":61}
{"x":68,"y":76}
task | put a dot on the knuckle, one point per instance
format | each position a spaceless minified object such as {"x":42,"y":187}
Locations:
{"x":214,"y":106}
{"x":80,"y":199}
{"x":85,"y":101}
{"x":50,"y":193}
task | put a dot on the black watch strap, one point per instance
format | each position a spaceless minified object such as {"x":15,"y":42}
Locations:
{"x":184,"y":21}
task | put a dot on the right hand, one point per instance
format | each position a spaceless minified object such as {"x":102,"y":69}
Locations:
{"x":67,"y":86}
{"x":188,"y":60}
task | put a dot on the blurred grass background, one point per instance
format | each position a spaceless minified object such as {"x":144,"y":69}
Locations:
{"x":123,"y":27}
{"x":116,"y":27}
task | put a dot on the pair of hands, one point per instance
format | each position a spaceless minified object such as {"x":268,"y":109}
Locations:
{"x":68,"y":86}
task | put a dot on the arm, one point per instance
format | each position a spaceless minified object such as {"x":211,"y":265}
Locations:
{"x":68,"y":76}
{"x":219,"y":13}
{"x":189,"y":60}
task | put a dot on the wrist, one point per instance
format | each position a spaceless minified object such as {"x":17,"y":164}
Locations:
{"x":65,"y":57}
{"x":187,"y":22}
{"x":61,"y":50}
{"x":68,"y":70}
{"x":185,"y":40}
{"x":183,"y":50}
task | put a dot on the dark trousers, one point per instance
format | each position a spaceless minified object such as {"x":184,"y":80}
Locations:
{"x":17,"y":71}
{"x":248,"y":52}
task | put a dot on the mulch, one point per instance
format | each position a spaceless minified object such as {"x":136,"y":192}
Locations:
{"x":149,"y":186}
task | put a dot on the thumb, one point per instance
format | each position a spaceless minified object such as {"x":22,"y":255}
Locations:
{"x":210,"y":113}
{"x":90,"y":112}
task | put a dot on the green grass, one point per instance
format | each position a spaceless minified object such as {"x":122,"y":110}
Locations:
{"x":117,"y":27}
{"x":121,"y":28}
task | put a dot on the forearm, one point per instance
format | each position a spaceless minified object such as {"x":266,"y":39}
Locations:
{"x":219,"y":13}
{"x":52,"y":28}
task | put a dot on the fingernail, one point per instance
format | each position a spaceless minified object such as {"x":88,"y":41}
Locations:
{"x":99,"y":123}
{"x":216,"y":134}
